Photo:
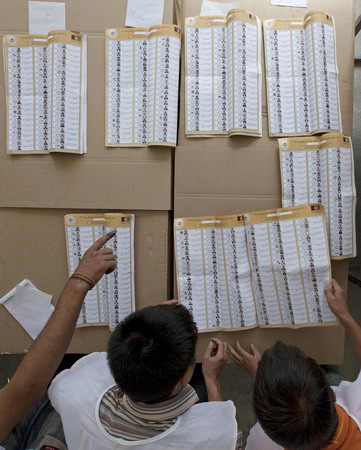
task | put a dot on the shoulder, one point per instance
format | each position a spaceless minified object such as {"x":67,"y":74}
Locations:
{"x":215,"y":407}
{"x":258,"y":439}
{"x":91,"y":370}
{"x":213,"y":422}
{"x":211,"y":414}
{"x":348,"y":396}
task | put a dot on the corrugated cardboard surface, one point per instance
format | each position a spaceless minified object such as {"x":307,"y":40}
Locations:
{"x":216,"y":176}
{"x":32,"y":243}
{"x":133,"y":178}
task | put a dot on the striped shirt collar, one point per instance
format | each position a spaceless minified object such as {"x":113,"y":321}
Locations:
{"x":123,"y":418}
{"x":165,"y":410}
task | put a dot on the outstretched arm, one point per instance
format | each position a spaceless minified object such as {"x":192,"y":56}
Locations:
{"x":338,"y":305}
{"x":40,"y":363}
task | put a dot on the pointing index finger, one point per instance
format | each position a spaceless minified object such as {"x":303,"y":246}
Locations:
{"x":102,"y":241}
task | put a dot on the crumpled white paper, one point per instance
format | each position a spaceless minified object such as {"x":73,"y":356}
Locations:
{"x":29,"y":306}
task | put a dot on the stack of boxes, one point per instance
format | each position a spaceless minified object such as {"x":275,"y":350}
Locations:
{"x":36,"y":191}
{"x":212,"y":176}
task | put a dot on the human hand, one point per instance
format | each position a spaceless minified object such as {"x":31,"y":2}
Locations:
{"x":171,"y":302}
{"x":214,"y":359}
{"x":97,"y":261}
{"x":245,"y":360}
{"x":337,"y":300}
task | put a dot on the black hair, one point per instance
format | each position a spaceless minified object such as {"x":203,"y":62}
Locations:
{"x":150,"y":351}
{"x":292,"y":399}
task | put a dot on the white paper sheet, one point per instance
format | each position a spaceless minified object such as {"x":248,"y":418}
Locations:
{"x":242,"y":271}
{"x":295,"y":3}
{"x":224,"y":75}
{"x":302,"y":75}
{"x":29,"y":306}
{"x":47,"y":116}
{"x":144,"y":13}
{"x":114,"y":297}
{"x":210,"y":8}
{"x":46,"y":16}
{"x":142,"y":87}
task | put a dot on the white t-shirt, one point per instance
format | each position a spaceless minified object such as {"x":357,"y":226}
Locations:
{"x":76,"y":394}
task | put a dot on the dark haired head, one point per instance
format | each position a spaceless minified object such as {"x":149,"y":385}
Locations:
{"x":151,"y":350}
{"x":292,"y":399}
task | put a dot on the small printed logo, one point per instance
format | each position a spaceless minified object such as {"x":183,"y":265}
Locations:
{"x":125,"y":219}
{"x":177,"y":30}
{"x":70,"y":220}
{"x":345,"y":139}
{"x":179,"y":223}
{"x":75,"y":38}
{"x":285,"y":145}
{"x":269,"y":23}
{"x":251,"y":16}
{"x":12,"y":40}
{"x":316,"y":208}
{"x":240,"y":218}
{"x":112,"y":33}
{"x":329,"y":18}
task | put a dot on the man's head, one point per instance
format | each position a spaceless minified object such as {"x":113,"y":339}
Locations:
{"x":292,"y":399}
{"x":152,"y":351}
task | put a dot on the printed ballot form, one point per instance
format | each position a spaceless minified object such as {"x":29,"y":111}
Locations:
{"x":112,"y":299}
{"x":302,"y":75}
{"x":45,"y":79}
{"x":321,"y":169}
{"x":223,"y":75}
{"x":267,"y":268}
{"x":142,"y":84}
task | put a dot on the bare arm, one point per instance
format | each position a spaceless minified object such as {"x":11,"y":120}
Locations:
{"x":214,"y":360}
{"x":338,"y":304}
{"x":39,"y":365}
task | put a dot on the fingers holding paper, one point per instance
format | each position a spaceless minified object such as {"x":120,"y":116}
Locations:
{"x":337,"y":300}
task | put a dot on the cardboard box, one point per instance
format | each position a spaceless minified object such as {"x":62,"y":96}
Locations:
{"x":217,"y":176}
{"x":123,"y":178}
{"x":32,"y":243}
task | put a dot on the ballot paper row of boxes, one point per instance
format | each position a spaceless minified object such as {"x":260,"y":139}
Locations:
{"x":46,"y":82}
{"x":266,"y":268}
